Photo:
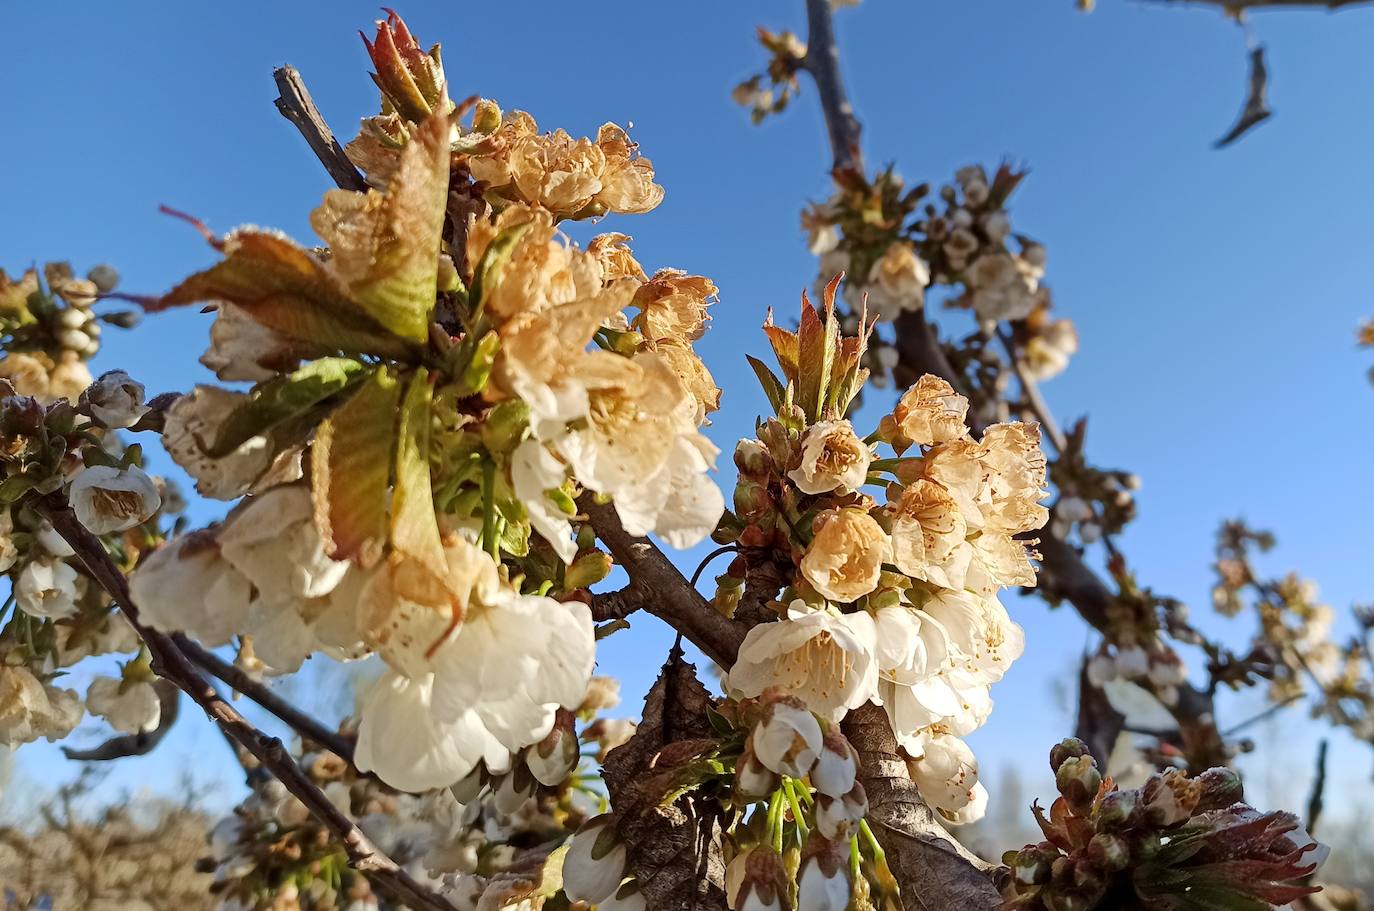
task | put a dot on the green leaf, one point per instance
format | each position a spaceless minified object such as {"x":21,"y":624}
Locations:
{"x":278,"y":400}
{"x":477,"y":370}
{"x":384,"y":246}
{"x":772,"y":386}
{"x":414,"y":528}
{"x":351,"y":470}
{"x":488,"y":272}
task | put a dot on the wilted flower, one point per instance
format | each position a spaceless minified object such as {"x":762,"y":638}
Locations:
{"x":897,"y":281}
{"x":192,"y":423}
{"x":108,"y":499}
{"x":931,"y":412}
{"x":115,"y":400}
{"x":833,"y":458}
{"x":129,"y":705}
{"x":30,"y":709}
{"x":192,"y":563}
{"x":845,"y":558}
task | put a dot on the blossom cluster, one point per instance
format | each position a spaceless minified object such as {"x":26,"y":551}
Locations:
{"x":59,"y":428}
{"x":890,"y":566}
{"x":428,"y":402}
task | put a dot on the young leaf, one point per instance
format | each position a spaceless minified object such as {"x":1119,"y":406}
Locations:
{"x":813,"y":364}
{"x":772,"y":386}
{"x":384,"y":246}
{"x":414,"y":528}
{"x":351,"y":470}
{"x":784,"y":346}
{"x":283,"y":398}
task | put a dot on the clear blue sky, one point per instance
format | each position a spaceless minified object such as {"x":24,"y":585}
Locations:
{"x":1216,"y":293}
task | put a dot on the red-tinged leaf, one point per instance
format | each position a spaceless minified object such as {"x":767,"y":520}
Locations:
{"x":414,"y":528}
{"x":288,"y":290}
{"x":1053,"y":834}
{"x":384,"y":246}
{"x":350,"y":470}
{"x":813,"y":366}
{"x":784,"y":346}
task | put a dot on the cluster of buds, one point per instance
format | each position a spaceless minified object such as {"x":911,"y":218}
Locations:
{"x":786,"y":56}
{"x":1158,"y":668}
{"x":48,"y":329}
{"x":1174,"y":844}
{"x":1093,"y":501}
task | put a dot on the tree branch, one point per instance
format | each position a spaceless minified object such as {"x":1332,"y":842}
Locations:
{"x":662,"y":590}
{"x":296,"y":105}
{"x":243,"y":682}
{"x":170,"y":663}
{"x":1240,"y":6}
{"x":822,"y":61}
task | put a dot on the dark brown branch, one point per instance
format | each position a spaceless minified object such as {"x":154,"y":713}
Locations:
{"x":142,"y":743}
{"x":662,"y":589}
{"x":296,"y":105}
{"x":616,"y":605}
{"x":170,"y":663}
{"x":1099,"y":723}
{"x":822,"y":61}
{"x":1316,"y":802}
{"x":243,"y":682}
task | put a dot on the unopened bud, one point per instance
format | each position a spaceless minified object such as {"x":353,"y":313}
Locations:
{"x":1220,"y":789}
{"x":753,"y":780}
{"x":753,"y":503}
{"x":587,"y":570}
{"x":1078,"y":780}
{"x":752,"y":459}
{"x":1108,"y":852}
{"x":595,"y":862}
{"x":552,"y":759}
{"x":104,"y":276}
{"x":1114,"y":809}
{"x":505,"y":425}
{"x":410,"y":79}
{"x":836,"y":766}
{"x":1068,"y":748}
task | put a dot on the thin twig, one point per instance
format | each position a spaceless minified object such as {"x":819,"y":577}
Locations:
{"x":172,"y":664}
{"x":1031,"y":390}
{"x":1316,"y":802}
{"x":142,"y":743}
{"x":243,"y":682}
{"x":296,"y":105}
{"x":1255,"y":719}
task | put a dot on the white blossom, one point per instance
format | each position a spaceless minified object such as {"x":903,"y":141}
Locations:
{"x":833,"y":458}
{"x":108,"y":499}
{"x":116,"y":400}
{"x":130,"y":706}
{"x":47,"y":589}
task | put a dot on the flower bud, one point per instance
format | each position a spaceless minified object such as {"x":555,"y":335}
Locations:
{"x":1114,"y":809}
{"x":513,"y":791}
{"x":1109,"y":852}
{"x":753,"y":503}
{"x":1031,"y":865}
{"x":1068,"y":748}
{"x":115,"y":400}
{"x":629,"y":897}
{"x":552,"y":759}
{"x":595,"y":862}
{"x":1220,"y":789}
{"x":764,"y":887}
{"x":104,"y":276}
{"x":823,"y":880}
{"x":108,"y":499}
{"x":837,"y":817}
{"x":1078,"y":780}
{"x":587,"y":570}
{"x":752,"y":459}
{"x":836,"y":765}
{"x":788,"y":738}
{"x":753,"y":780}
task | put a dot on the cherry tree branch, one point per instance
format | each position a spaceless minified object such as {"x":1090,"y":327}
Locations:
{"x":142,"y":743}
{"x":822,"y":61}
{"x":170,"y":663}
{"x":661,"y":589}
{"x":243,"y":682}
{"x":1240,"y":6}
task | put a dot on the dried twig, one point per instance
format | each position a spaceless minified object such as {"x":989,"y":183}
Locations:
{"x":1316,"y":801}
{"x":172,"y":664}
{"x":296,"y":105}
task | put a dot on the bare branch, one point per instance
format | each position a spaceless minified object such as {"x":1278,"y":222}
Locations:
{"x":296,"y":105}
{"x":1099,"y":723}
{"x":1256,"y":108}
{"x":243,"y":682}
{"x":172,"y":664}
{"x":822,"y":61}
{"x":662,"y":590}
{"x":1232,"y":7}
{"x":142,"y":743}
{"x":1316,"y":802}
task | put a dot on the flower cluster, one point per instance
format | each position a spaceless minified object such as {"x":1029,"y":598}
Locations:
{"x":65,"y":446}
{"x":428,"y":402}
{"x":890,"y":566}
{"x":1176,"y":843}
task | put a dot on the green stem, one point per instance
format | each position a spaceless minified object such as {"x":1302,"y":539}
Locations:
{"x":855,"y":860}
{"x":775,"y":819}
{"x":878,"y":854}
{"x":489,"y":542}
{"x":790,"y":787}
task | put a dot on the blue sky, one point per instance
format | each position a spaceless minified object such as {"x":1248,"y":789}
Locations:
{"x":1216,"y":293}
